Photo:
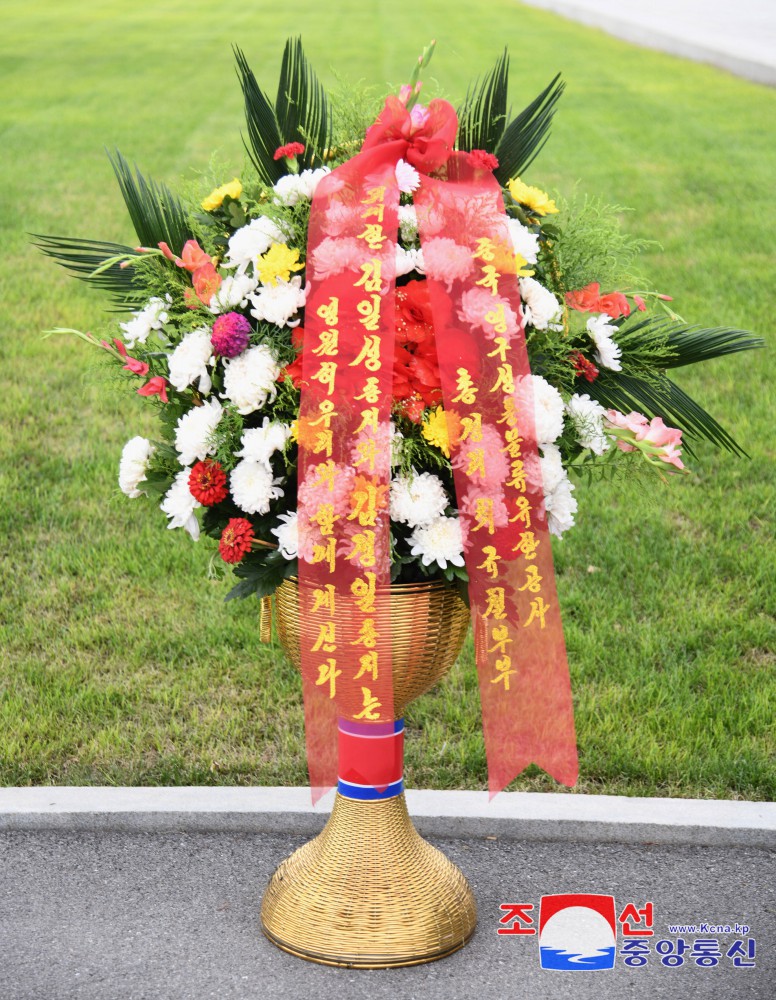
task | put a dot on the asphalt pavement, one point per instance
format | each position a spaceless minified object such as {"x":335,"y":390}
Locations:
{"x":738,"y":37}
{"x":101,"y":914}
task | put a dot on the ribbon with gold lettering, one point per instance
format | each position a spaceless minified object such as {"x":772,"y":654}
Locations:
{"x":344,"y":451}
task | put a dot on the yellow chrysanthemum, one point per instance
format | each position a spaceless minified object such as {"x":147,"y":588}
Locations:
{"x":442,"y":429}
{"x":278,"y":263}
{"x":532,"y":197}
{"x":216,"y":198}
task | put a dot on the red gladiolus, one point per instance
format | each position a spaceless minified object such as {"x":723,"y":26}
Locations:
{"x":236,"y":540}
{"x":207,"y":482}
{"x":157,"y":386}
{"x":589,"y":299}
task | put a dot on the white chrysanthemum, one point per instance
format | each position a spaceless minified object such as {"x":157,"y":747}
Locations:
{"x":250,"y":242}
{"x":295,"y":187}
{"x":260,"y":443}
{"x":547,"y":404}
{"x":249,"y":379}
{"x":233,"y":293}
{"x":588,"y":418}
{"x":417,"y":499}
{"x":189,"y":361}
{"x":253,"y":487}
{"x":134,"y":465}
{"x":607,"y":352}
{"x":408,"y":223}
{"x":277,"y":304}
{"x":551,"y":465}
{"x":152,"y":316}
{"x":407,"y":177}
{"x":561,"y":508}
{"x":447,"y":260}
{"x":540,"y":307}
{"x":408,"y":260}
{"x":440,"y":542}
{"x":195,"y":430}
{"x":524,"y":241}
{"x":179,"y":505}
{"x":287,"y":534}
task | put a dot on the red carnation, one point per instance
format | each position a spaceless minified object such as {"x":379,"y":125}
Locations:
{"x":207,"y":482}
{"x":236,"y":540}
{"x":481,"y":158}
{"x":290,"y":150}
{"x":583,"y":367}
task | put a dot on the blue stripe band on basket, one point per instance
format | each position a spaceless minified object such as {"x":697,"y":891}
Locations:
{"x":368,"y":793}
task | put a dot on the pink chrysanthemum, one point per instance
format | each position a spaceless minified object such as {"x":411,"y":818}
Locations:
{"x":231,"y":333}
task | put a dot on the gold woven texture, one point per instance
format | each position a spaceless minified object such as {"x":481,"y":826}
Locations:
{"x":427,"y":621}
{"x":369,"y":892}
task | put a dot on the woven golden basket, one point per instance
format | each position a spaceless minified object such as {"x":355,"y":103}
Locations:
{"x":369,"y":892}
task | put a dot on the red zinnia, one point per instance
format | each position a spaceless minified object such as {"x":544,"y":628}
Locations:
{"x":289,"y":150}
{"x":207,"y":482}
{"x":236,"y":540}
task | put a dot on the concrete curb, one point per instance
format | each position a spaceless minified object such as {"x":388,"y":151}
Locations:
{"x":459,"y":814}
{"x":712,"y":51}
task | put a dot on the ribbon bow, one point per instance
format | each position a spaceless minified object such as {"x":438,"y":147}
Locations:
{"x":345,"y":448}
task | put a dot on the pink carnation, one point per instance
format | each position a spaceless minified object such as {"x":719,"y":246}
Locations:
{"x":231,"y":333}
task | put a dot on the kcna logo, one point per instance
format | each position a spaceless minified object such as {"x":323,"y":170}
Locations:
{"x":577,"y":931}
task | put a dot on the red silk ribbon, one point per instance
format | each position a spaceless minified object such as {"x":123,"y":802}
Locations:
{"x":345,"y":449}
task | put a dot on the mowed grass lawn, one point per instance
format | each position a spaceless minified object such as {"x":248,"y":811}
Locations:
{"x":121,"y":664}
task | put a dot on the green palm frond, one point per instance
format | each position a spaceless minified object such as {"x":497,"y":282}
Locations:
{"x":483,"y":115}
{"x":691,"y":344}
{"x":83,"y":257}
{"x":157,"y":215}
{"x":301,"y":108}
{"x":300,"y":114}
{"x":661,"y":398}
{"x":525,"y":135}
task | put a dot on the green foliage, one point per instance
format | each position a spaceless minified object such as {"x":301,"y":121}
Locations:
{"x":157,"y":214}
{"x":84,"y":257}
{"x":483,"y":114}
{"x":525,"y":136}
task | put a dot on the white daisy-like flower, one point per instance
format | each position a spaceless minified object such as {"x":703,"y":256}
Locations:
{"x":250,"y":242}
{"x":561,"y":508}
{"x":195,"y":430}
{"x":287,"y":534}
{"x":190,"y":359}
{"x":440,"y":542}
{"x":152,"y":316}
{"x":588,"y":418}
{"x":607,"y":352}
{"x":417,"y":499}
{"x":134,"y":465}
{"x":297,"y":187}
{"x":260,"y":443}
{"x":409,"y":260}
{"x":253,"y":487}
{"x":524,"y":241}
{"x":540,"y":307}
{"x":277,"y":304}
{"x":249,"y":379}
{"x":407,"y":177}
{"x":408,"y":223}
{"x":547,"y":404}
{"x":233,"y":293}
{"x":179,"y":505}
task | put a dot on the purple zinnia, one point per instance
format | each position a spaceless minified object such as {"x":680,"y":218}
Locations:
{"x":231,"y":333}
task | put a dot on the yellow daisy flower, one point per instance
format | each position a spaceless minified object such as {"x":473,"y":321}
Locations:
{"x":442,"y":429}
{"x":216,"y":198}
{"x":536,"y":200}
{"x":278,"y":263}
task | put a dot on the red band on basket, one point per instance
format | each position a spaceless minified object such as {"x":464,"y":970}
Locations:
{"x":371,"y":756}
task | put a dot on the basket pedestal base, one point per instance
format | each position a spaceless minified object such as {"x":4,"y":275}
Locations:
{"x":368,"y":892}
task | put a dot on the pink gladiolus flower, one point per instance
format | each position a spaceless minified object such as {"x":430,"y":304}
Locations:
{"x":157,"y":386}
{"x":132,"y":364}
{"x":641,"y":305}
{"x":656,"y":441}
